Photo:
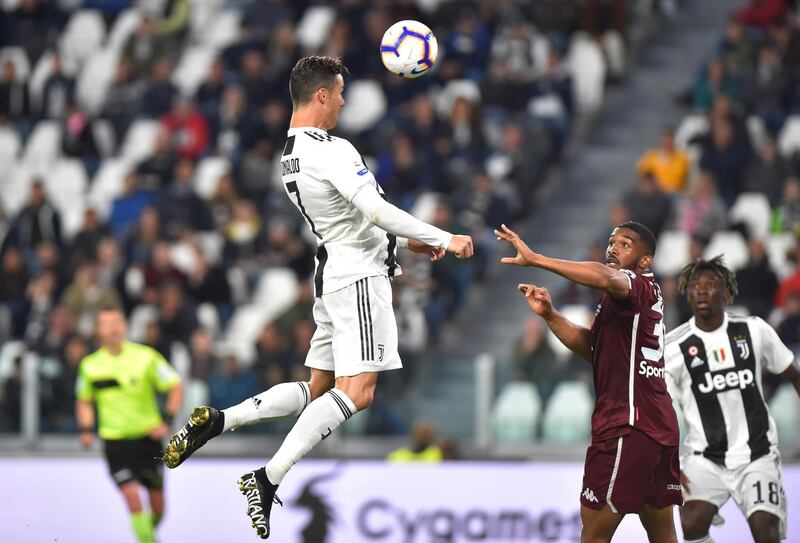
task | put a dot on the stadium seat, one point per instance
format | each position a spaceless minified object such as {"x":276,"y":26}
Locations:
{"x":579,"y":314}
{"x":38,"y":78}
{"x":789,"y":137}
{"x":757,"y":131}
{"x":140,"y":317}
{"x":206,"y":178}
{"x":753,"y":209}
{"x":82,"y":36}
{"x":365,"y":105}
{"x":276,"y":290}
{"x":243,"y":328}
{"x":195,"y":392}
{"x":95,"y":78}
{"x":15,"y":187}
{"x":20,"y":60}
{"x":107,"y":185}
{"x":65,"y":184}
{"x":10,"y":145}
{"x":211,"y":244}
{"x":778,"y":246}
{"x":193,"y":68}
{"x":140,"y":140}
{"x":314,"y":27}
{"x":456,"y":88}
{"x":588,"y":70}
{"x":568,"y":414}
{"x":690,"y":127}
{"x":44,"y":145}
{"x":223,"y":29}
{"x":8,"y":352}
{"x":785,"y":409}
{"x":516,"y":413}
{"x":731,"y":245}
{"x":208,"y":318}
{"x":124,"y":25}
{"x":673,"y":252}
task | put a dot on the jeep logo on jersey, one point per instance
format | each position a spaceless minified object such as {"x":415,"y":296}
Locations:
{"x":731,"y":380}
{"x":744,"y":348}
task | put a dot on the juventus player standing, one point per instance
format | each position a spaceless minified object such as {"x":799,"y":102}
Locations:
{"x":632,"y":464}
{"x":714,"y":363}
{"x":357,"y":233}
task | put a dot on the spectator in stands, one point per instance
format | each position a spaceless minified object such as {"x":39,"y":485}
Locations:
{"x":33,"y":25}
{"x":40,"y":296}
{"x":187,"y":129}
{"x":647,"y":203}
{"x":536,"y":360}
{"x":140,"y":242}
{"x":767,"y":172}
{"x":269,"y":125}
{"x":786,"y":217}
{"x":223,"y":199}
{"x":14,"y":277}
{"x":701,"y":211}
{"x":468,"y":45}
{"x":38,"y":221}
{"x":789,"y":327}
{"x":423,"y":446}
{"x":726,"y":159}
{"x":771,"y":87}
{"x":78,"y":138}
{"x":156,"y":172}
{"x":202,"y":356}
{"x":58,"y":91}
{"x":738,"y":52}
{"x":714,"y":80}
{"x":283,"y":248}
{"x":48,"y":260}
{"x":143,"y":48}
{"x":281,"y":52}
{"x":666,"y":163}
{"x":252,"y":183}
{"x":176,"y":315}
{"x":230,"y":123}
{"x":762,"y":13}
{"x":207,"y":283}
{"x":85,"y":297}
{"x":62,"y":418}
{"x":160,"y":270}
{"x":124,"y":98}
{"x":173,"y":20}
{"x":264,"y":16}
{"x":209,"y":93}
{"x":520,"y":164}
{"x":400,"y":173}
{"x":12,"y":398}
{"x":126,"y":208}
{"x":60,"y":327}
{"x":111,"y":267}
{"x":758,"y":284}
{"x":161,"y":92}
{"x":84,"y":245}
{"x":257,"y":86}
{"x":14,"y":99}
{"x":606,"y":22}
{"x":274,"y":357}
{"x":180,"y":205}
{"x":230,"y":382}
{"x":241,"y":233}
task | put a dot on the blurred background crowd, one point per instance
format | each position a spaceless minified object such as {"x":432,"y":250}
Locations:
{"x":138,"y":166}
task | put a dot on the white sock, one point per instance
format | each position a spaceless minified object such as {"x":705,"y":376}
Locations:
{"x":321,"y":417}
{"x":283,"y":400}
{"x":706,"y":539}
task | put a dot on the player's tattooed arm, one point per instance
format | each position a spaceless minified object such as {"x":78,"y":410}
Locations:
{"x":792,"y":374}
{"x":576,"y":338}
{"x":590,"y":274}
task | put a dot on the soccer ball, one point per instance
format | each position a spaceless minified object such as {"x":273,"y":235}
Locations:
{"x":409,"y":49}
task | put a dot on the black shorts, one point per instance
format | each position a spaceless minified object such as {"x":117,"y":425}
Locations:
{"x":135,"y":460}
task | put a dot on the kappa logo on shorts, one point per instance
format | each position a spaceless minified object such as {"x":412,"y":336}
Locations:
{"x":589,"y":496}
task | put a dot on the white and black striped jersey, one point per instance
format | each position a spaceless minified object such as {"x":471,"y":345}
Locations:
{"x":322,"y":174}
{"x":716,"y":378}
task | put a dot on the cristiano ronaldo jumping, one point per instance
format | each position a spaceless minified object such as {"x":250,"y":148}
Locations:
{"x":357,"y":234}
{"x":632,"y":464}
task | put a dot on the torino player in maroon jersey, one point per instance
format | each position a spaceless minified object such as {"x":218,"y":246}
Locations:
{"x":632,"y":464}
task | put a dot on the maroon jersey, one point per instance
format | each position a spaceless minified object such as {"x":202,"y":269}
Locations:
{"x":628,"y":362}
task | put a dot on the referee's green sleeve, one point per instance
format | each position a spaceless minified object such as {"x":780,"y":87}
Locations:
{"x":84,"y":390}
{"x":163,"y":374}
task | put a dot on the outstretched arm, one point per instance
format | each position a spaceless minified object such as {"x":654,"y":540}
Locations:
{"x":792,"y":374}
{"x":576,"y":338}
{"x":590,"y":274}
{"x":396,"y":221}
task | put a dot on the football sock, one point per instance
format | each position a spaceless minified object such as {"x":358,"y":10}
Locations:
{"x":283,"y":400}
{"x":706,"y":539}
{"x":143,"y":527}
{"x":321,"y":417}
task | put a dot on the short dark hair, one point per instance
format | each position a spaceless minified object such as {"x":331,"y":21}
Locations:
{"x":645,"y":234}
{"x":717,"y":266}
{"x":312,"y":73}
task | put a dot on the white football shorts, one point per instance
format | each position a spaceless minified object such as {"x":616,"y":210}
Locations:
{"x":356,"y":329}
{"x":756,"y":486}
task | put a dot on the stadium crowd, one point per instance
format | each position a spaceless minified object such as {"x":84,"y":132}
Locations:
{"x":138,"y":145}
